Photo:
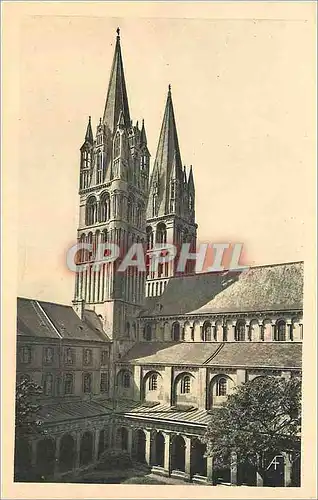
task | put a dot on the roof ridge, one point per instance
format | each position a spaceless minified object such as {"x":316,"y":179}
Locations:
{"x":216,"y":352}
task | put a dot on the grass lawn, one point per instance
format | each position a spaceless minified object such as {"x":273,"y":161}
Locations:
{"x":142,"y":480}
{"x":114,"y":476}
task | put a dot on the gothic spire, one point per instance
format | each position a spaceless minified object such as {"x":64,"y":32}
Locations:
{"x":143,"y":136}
{"x":89,"y":139}
{"x":168,"y":165}
{"x":190,"y":180}
{"x":117,"y":99}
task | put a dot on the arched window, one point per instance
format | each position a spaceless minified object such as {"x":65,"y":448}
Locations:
{"x":153,"y":382}
{"x":126,"y":379}
{"x":99,"y":167}
{"x":221,"y":387}
{"x":280,"y":331}
{"x":91,"y":211}
{"x":161,"y":233}
{"x":240,"y":331}
{"x":149,"y":233}
{"x":104,"y":214}
{"x":176,"y":331}
{"x":207,"y":331}
{"x":147,"y":332}
{"x":185,"y":386}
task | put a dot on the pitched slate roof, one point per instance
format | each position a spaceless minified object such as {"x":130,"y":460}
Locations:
{"x":186,"y":293}
{"x":234,"y":354}
{"x":170,"y":352}
{"x":258,"y":354}
{"x":264,"y":288}
{"x":163,"y":412}
{"x":47,"y":319}
{"x":73,"y":410}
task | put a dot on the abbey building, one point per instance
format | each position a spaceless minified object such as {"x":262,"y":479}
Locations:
{"x":141,"y":359}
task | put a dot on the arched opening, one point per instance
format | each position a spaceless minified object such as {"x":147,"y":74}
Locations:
{"x":126,"y":379}
{"x":178,"y":454}
{"x":220,"y":388}
{"x":160,"y":449}
{"x":91,"y":211}
{"x":149,"y":233}
{"x":86,"y":450}
{"x":147,"y":332}
{"x":161,"y":233}
{"x":67,"y":453}
{"x":122,"y":438}
{"x":101,"y":442}
{"x":207,"y":331}
{"x":280,"y":331}
{"x":140,"y":446}
{"x":198,"y":462}
{"x":45,"y":457}
{"x":176,"y":331}
{"x":240,"y":331}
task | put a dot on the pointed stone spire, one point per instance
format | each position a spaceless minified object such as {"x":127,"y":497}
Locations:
{"x":168,"y":163}
{"x":117,"y":99}
{"x":89,"y":132}
{"x":143,"y":136}
{"x":191,"y":180}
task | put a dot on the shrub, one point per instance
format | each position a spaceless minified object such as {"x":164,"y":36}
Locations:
{"x":114,"y":459}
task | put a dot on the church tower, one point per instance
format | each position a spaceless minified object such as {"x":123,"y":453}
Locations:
{"x":114,"y":172}
{"x":171,"y":204}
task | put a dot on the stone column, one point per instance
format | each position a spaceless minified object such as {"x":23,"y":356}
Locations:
{"x":289,"y":328}
{"x":287,"y":469}
{"x":248,"y":331}
{"x":167,"y":384}
{"x":209,"y":469}
{"x":96,"y":445}
{"x":233,"y":468}
{"x":202,"y":379}
{"x":167,"y":461}
{"x":130,"y":437}
{"x":77,"y":450}
{"x":187,"y":451}
{"x":148,"y":447}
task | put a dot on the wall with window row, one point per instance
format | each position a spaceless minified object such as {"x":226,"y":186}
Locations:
{"x":278,"y":327}
{"x":63,"y":369}
{"x":199,"y":387}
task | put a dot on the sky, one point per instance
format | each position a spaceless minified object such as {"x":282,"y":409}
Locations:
{"x":242,"y":98}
